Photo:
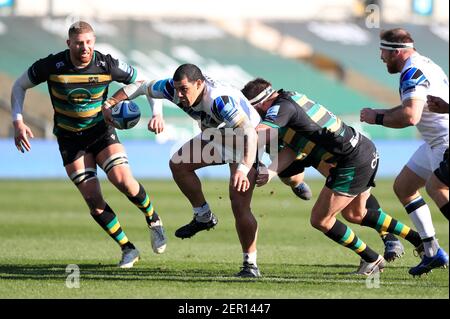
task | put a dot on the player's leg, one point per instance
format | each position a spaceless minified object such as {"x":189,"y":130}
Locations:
{"x":438,"y":187}
{"x":347,"y":190}
{"x":183,"y":165}
{"x":323,"y":218}
{"x":406,"y":186}
{"x":246,"y":224}
{"x":374,"y":217}
{"x":114,"y":161}
{"x":293,"y":176}
{"x":82,"y":172}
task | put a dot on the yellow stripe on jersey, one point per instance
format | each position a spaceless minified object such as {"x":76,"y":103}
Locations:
{"x":301,"y":156}
{"x":64,"y":97}
{"x":308,"y":147}
{"x":72,"y":129}
{"x":287,"y":138}
{"x":303,"y":100}
{"x":75,"y":114}
{"x":336,"y":126}
{"x":326,"y":156}
{"x":89,"y":78}
{"x":319,"y":114}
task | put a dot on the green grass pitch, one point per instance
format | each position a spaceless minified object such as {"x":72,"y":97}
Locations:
{"x":45,"y":226}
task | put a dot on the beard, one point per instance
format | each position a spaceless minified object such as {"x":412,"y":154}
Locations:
{"x":84,"y":57}
{"x":392,"y":68}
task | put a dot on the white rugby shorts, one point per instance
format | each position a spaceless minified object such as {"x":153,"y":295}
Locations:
{"x":426,"y":159}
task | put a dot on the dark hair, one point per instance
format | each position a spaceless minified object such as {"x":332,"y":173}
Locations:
{"x":80,"y":27}
{"x":253,"y":88}
{"x":397,"y":35}
{"x":189,"y":71}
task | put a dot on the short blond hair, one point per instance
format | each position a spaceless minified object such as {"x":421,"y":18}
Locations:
{"x":80,"y":27}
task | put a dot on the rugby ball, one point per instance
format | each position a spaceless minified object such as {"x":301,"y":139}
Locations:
{"x":125,"y":114}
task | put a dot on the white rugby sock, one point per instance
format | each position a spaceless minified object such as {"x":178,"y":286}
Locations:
{"x":420,"y":214}
{"x":203,"y":213}
{"x":250,"y":258}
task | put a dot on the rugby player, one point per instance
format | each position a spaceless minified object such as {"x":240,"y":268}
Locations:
{"x":419,"y":77}
{"x":348,"y":183}
{"x":222,"y":112}
{"x":78,"y":80}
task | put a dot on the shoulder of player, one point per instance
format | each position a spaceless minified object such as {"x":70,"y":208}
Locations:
{"x":221,"y":100}
{"x":54,"y":57}
{"x":108,"y":59}
{"x":54,"y":61}
{"x":412,"y":72}
{"x":284,"y":100}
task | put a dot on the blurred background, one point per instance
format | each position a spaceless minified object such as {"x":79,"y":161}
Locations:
{"x":327,"y":49}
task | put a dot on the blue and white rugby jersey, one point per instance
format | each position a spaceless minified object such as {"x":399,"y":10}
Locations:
{"x":222,"y":106}
{"x":421,"y":77}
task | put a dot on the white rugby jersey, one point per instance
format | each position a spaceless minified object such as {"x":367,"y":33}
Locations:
{"x":221,"y":105}
{"x":421,"y":77}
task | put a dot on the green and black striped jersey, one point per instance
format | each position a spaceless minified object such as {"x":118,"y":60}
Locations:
{"x":77,"y":94}
{"x":305,"y":125}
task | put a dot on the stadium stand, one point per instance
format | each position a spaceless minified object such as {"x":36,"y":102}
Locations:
{"x":356,"y":47}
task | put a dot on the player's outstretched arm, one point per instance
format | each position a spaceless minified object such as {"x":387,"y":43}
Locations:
{"x":21,"y":131}
{"x":130,"y":92}
{"x":407,"y":114}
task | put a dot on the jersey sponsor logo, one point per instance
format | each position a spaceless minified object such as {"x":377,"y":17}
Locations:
{"x":374,"y":162}
{"x":93,"y":79}
{"x":124,"y":67}
{"x":79,"y":97}
{"x":272,"y":113}
{"x":59,"y":64}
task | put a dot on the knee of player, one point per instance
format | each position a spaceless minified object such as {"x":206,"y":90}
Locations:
{"x":432,"y":186}
{"x":318,"y":223}
{"x":178,"y":168}
{"x":429,"y":186}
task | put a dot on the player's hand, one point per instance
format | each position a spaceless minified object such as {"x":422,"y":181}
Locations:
{"x":21,"y":134}
{"x":436,"y":104}
{"x":107,"y":113}
{"x":240,"y":181}
{"x":368,"y":115}
{"x":156,"y":124}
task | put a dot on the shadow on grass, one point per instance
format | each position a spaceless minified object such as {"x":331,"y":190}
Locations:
{"x":210,"y":272}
